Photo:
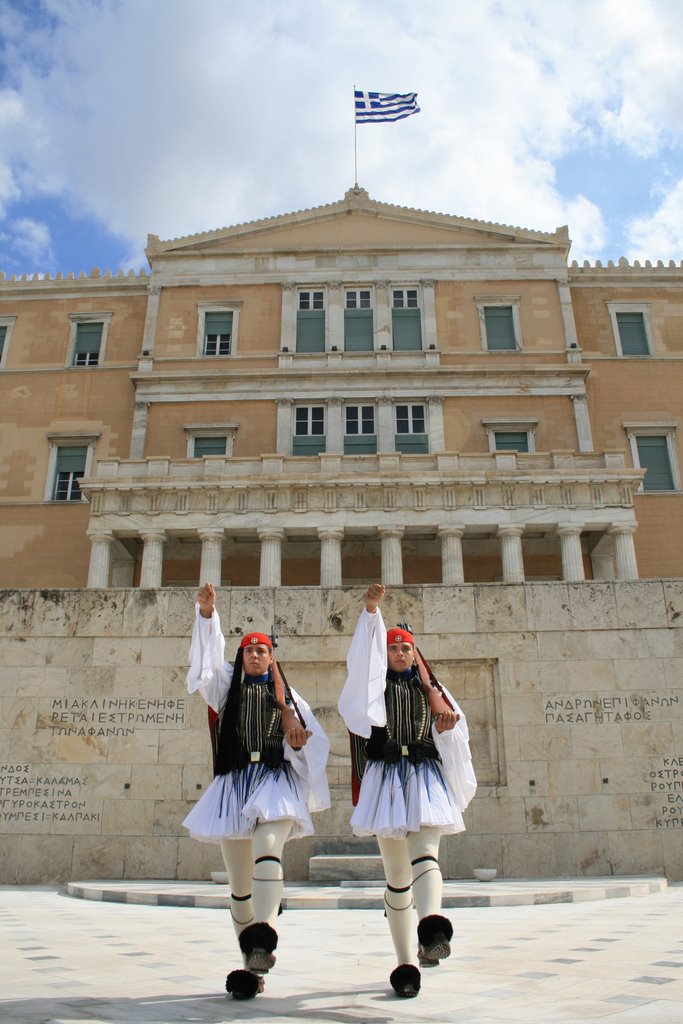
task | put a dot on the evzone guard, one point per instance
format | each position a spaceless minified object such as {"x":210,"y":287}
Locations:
{"x":411,"y":753}
{"x":269,"y":774}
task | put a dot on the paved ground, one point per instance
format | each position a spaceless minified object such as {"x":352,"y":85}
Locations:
{"x":614,"y":960}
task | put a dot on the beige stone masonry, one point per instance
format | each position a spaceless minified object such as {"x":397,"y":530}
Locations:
{"x":573,"y":692}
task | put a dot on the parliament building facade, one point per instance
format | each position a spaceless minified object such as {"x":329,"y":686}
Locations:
{"x":354,"y":391}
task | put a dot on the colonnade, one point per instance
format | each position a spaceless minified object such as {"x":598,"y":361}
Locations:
{"x":271,"y":539}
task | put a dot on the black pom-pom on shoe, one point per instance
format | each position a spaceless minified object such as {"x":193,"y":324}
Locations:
{"x":257,"y":942}
{"x":243,"y":984}
{"x":405,"y":981}
{"x":434,"y":934}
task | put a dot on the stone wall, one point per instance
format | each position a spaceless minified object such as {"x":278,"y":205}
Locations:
{"x":573,"y":692}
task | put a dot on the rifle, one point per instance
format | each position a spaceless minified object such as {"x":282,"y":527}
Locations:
{"x":434,"y":682}
{"x":280,"y":681}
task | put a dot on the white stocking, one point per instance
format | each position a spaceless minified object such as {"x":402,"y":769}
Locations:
{"x":423,"y":847}
{"x":239,"y":862}
{"x":268,"y":842}
{"x":398,"y":897}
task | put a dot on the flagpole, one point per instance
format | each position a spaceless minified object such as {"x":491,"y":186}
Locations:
{"x":355,"y":141}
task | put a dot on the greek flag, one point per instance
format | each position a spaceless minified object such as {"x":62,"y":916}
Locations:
{"x":384,"y":106}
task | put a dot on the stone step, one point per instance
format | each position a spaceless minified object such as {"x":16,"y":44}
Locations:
{"x":345,"y":867}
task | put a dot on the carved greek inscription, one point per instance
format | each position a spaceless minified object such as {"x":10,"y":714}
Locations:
{"x":29,"y":796}
{"x":115,"y":716}
{"x":667,"y":781}
{"x":598,"y":709}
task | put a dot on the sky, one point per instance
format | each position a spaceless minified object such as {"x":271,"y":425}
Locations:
{"x":123,"y":117}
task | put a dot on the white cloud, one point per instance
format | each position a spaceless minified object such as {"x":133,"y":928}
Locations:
{"x":177,"y":117}
{"x":659,"y":236}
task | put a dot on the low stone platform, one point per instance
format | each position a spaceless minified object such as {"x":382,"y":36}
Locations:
{"x":504,"y":892}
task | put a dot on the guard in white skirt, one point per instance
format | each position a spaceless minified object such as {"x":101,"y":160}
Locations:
{"x":412,"y":746}
{"x":270,"y":758}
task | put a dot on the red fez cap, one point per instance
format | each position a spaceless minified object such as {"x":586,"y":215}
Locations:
{"x":250,"y":639}
{"x":400,"y":636}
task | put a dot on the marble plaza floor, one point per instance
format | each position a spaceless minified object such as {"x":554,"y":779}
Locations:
{"x":616,"y":960}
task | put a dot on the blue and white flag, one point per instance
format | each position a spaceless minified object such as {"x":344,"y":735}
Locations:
{"x":384,"y":106}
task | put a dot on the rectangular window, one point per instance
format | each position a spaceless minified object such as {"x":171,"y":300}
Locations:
{"x":500,"y":328}
{"x":217,"y":333}
{"x":310,"y":322}
{"x":360,"y":437}
{"x":653,"y":456}
{"x":309,"y":430}
{"x":3,"y":335}
{"x":411,"y":435}
{"x":358,"y":322}
{"x":632,"y":334}
{"x":88,"y":342}
{"x":209,"y":446}
{"x":406,"y":327}
{"x":511,"y":440}
{"x":69,"y":469}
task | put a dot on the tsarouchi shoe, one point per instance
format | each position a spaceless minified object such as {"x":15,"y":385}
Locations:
{"x":405,"y":981}
{"x":257,"y":942}
{"x":434,"y":934}
{"x":243,"y":984}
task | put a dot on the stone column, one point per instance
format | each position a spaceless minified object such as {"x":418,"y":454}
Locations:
{"x":624,"y":551}
{"x":330,"y":556}
{"x":452,"y":571}
{"x":285,"y":428}
{"x":152,"y":558}
{"x":100,"y":557}
{"x":138,"y":433}
{"x":212,"y":552}
{"x":583,"y":424}
{"x":392,"y":558}
{"x":572,"y":556}
{"x":271,"y":557}
{"x":382,"y":317}
{"x":334,"y":440}
{"x":386,"y":426}
{"x":288,"y":317}
{"x":429,"y":334}
{"x":151,"y":316}
{"x":437,"y":437}
{"x":335,"y":318}
{"x":511,"y":551}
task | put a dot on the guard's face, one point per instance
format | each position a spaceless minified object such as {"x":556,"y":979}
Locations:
{"x":400,"y":657}
{"x":256,"y":659}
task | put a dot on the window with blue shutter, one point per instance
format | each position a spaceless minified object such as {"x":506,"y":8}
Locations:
{"x":217,"y":333}
{"x":88,"y":342}
{"x":511,"y":440}
{"x":632,"y":334}
{"x":406,"y":327}
{"x":653,"y":456}
{"x":500,"y":328}
{"x":360,"y":437}
{"x":310,"y":322}
{"x":358,"y":322}
{"x":309,"y":430}
{"x":209,"y":446}
{"x":411,"y":433}
{"x":70,"y":467}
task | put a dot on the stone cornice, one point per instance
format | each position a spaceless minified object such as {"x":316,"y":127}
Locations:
{"x":74,"y":285}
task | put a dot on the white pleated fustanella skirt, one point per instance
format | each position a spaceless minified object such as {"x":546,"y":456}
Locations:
{"x":399,"y":798}
{"x":236,"y":802}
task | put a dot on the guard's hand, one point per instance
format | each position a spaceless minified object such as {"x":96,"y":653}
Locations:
{"x":373,"y":596}
{"x":206,"y":599}
{"x":296,"y":735}
{"x":446,"y":720}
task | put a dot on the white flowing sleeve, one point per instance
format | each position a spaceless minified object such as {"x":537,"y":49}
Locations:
{"x":209,"y":673}
{"x":453,"y":746}
{"x":361,"y":702}
{"x":310,"y":761}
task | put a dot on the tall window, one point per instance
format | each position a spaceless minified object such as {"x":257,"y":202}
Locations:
{"x":309,"y":430}
{"x":217,"y":333}
{"x":358,"y":322}
{"x":655,"y":458}
{"x":411,"y":433}
{"x":632,"y":333}
{"x":3,"y":335}
{"x":500,"y":328}
{"x":69,"y":469}
{"x":360,"y":437}
{"x":88,"y":342}
{"x":406,"y":326}
{"x":310,"y":322}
